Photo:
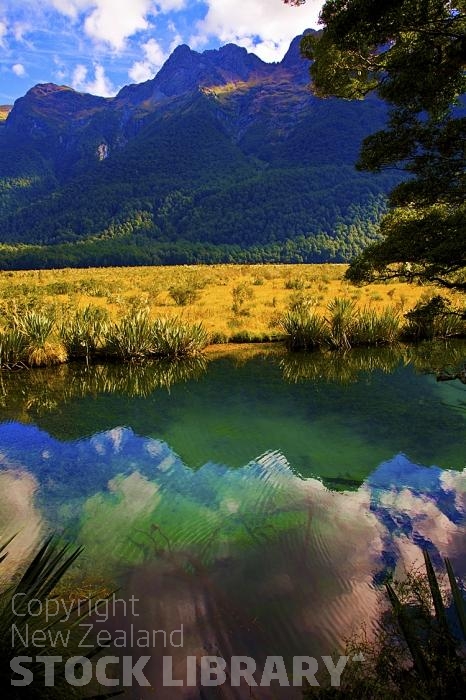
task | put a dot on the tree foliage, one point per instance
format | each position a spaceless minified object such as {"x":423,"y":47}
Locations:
{"x":412,"y":53}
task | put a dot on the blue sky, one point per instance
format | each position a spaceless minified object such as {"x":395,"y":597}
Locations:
{"x":98,"y":46}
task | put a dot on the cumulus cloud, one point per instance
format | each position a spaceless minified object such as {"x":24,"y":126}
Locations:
{"x":154,"y":57}
{"x":19,"y":70}
{"x":264,"y":27}
{"x":100,"y":85}
{"x":79,"y":76}
{"x":112,"y":22}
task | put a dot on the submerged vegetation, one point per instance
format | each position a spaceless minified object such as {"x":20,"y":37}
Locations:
{"x":419,"y":648}
{"x":22,"y":605}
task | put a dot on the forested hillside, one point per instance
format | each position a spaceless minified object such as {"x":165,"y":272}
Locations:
{"x":221,"y":157}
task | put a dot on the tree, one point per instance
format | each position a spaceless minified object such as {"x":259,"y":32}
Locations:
{"x":412,"y":54}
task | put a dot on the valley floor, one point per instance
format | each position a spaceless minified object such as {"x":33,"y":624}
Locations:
{"x":233,"y":302}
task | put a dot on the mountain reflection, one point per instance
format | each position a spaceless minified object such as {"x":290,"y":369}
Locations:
{"x":254,"y":561}
{"x":260,"y":514}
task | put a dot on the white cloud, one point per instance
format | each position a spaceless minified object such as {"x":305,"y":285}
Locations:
{"x":100,"y":85}
{"x":72,"y":8}
{"x":79,"y":76}
{"x":20,"y":29}
{"x":60,"y":72}
{"x":19,"y":70}
{"x":154,"y":57}
{"x":262,"y":26}
{"x":113,"y":21}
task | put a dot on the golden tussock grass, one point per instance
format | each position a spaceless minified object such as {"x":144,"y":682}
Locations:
{"x":230,"y":300}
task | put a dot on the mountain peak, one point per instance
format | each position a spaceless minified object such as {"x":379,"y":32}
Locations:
{"x":47,"y":104}
{"x":186,"y":70}
{"x":44,"y":89}
{"x":293,"y":60}
{"x":182,"y":49}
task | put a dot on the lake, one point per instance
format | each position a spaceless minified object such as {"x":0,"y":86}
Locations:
{"x":254,"y":500}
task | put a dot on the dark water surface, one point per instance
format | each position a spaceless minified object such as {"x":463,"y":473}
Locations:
{"x":257,"y":499}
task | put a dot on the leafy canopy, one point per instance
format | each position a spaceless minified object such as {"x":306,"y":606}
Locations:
{"x":412,"y":53}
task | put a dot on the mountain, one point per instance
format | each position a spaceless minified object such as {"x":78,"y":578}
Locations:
{"x":220,"y":156}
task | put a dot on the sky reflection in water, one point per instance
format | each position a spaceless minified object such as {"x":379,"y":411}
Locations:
{"x":281,"y":555}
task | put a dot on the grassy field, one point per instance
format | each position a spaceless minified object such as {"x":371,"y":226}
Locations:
{"x":233,"y":302}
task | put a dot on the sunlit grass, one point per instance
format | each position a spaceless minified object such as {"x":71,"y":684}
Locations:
{"x":120,"y":291}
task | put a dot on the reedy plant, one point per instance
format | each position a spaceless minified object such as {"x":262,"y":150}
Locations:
{"x":171,"y":337}
{"x":36,"y":328}
{"x":12,"y":348}
{"x":341,"y":322}
{"x":22,"y":604}
{"x":305,"y":329}
{"x":372,"y":328}
{"x":345,"y":326}
{"x":434,"y":318}
{"x":131,"y":338}
{"x":184,"y":294}
{"x":419,"y":652}
{"x":82,"y":332}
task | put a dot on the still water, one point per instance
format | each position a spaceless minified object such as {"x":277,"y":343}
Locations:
{"x":256,"y":498}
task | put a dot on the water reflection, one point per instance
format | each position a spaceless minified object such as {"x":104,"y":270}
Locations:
{"x":259,"y":513}
{"x":254,"y":561}
{"x":31,"y":393}
{"x":342,"y":368}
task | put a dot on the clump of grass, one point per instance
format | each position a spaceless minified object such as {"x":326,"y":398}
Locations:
{"x":82,"y":332}
{"x":344,"y":328}
{"x":130,"y":339}
{"x":300,"y":301}
{"x":184,"y":294}
{"x":12,"y":347}
{"x":372,"y":328}
{"x":27,"y":592}
{"x":218,"y":338}
{"x":295,"y":283}
{"x":172,"y":337}
{"x":36,"y":328}
{"x":305,"y":329}
{"x":450,"y":326}
{"x":245,"y":336}
{"x":60,"y":288}
{"x":342,"y":322}
{"x":418,"y":650}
